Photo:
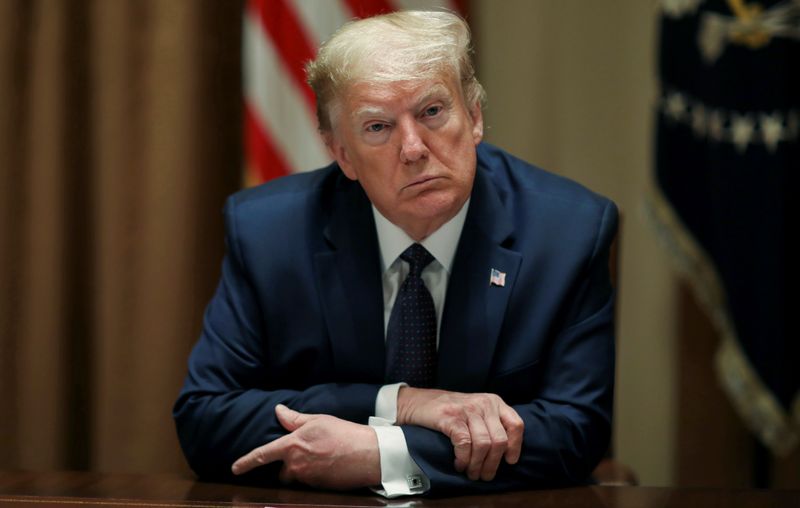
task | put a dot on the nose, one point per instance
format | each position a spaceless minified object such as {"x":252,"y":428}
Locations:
{"x":412,"y":146}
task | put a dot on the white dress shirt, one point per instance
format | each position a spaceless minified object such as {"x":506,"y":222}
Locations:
{"x":400,"y":475}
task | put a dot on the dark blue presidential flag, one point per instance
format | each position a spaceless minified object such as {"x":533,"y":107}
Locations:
{"x":727,"y":158}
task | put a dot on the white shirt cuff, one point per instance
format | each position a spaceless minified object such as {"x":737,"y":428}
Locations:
{"x":400,"y":475}
{"x":386,"y":402}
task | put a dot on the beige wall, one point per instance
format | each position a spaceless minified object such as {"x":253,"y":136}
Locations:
{"x":571,"y":85}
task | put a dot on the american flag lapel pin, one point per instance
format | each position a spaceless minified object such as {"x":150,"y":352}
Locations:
{"x":497,"y":278}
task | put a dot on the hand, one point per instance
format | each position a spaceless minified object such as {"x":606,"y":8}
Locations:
{"x":482,"y":428}
{"x":320,"y":450}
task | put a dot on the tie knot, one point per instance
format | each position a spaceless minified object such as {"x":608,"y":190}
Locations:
{"x":417,"y":257}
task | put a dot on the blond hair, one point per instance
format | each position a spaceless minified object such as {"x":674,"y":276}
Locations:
{"x":400,"y":46}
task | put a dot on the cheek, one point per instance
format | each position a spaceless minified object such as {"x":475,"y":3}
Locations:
{"x":459,"y":148}
{"x":377,"y":184}
{"x":462,"y":134}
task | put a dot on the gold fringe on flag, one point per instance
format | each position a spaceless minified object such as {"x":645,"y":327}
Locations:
{"x":756,"y":405}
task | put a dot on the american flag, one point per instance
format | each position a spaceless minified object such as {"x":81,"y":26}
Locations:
{"x":280,"y":36}
{"x":497,"y":278}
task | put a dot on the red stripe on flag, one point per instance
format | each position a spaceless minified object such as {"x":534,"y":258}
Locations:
{"x":367,"y":8}
{"x":261,"y":152}
{"x":289,"y":39}
{"x":461,"y":7}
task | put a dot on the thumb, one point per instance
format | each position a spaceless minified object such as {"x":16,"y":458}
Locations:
{"x":289,"y":418}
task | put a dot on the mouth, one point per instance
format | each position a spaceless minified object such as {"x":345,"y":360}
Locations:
{"x":421,"y":181}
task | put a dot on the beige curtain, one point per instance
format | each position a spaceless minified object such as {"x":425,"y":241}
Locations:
{"x":119,"y":138}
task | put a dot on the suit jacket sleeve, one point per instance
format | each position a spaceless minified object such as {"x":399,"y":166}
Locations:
{"x":568,"y":421}
{"x":226,"y":407}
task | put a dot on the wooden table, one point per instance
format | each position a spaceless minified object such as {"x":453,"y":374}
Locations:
{"x":85,"y":490}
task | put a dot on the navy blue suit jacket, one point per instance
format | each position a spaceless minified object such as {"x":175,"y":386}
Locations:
{"x":297,"y":319}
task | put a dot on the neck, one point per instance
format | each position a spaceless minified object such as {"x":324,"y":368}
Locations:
{"x":419,"y":229}
{"x":419,"y":232}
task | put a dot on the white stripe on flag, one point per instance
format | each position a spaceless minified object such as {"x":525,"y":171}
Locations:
{"x":322,"y":18}
{"x":278,"y":103}
{"x":424,"y":4}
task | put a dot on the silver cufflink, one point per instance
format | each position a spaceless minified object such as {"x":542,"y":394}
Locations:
{"x":414,"y":481}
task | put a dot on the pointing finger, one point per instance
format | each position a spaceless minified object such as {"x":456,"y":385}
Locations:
{"x":270,"y":452}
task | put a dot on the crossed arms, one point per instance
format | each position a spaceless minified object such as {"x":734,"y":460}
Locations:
{"x":313,"y":434}
{"x":325,"y":451}
{"x":229,"y":413}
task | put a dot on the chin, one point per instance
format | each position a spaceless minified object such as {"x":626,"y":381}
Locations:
{"x":435,"y":206}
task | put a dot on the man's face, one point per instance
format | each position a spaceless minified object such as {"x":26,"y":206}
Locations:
{"x":411,"y":145}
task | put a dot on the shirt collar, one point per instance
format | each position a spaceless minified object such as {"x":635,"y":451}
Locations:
{"x":441,"y":243}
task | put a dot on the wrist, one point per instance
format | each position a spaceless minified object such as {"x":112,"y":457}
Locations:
{"x":411,"y":401}
{"x":404,"y":396}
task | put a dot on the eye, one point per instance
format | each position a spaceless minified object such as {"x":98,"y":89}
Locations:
{"x":433,"y":111}
{"x":375,"y":127}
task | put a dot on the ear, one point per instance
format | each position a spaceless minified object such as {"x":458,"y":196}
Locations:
{"x":338,"y":152}
{"x":477,"y":122}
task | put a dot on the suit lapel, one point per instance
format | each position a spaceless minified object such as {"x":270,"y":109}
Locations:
{"x":349,"y":281}
{"x":474,"y":309}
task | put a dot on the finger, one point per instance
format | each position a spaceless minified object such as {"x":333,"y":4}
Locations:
{"x":270,"y":452}
{"x":285,"y":476}
{"x":289,"y":418}
{"x":515,"y":428}
{"x":498,"y":446}
{"x":481,"y":442}
{"x":458,"y":431}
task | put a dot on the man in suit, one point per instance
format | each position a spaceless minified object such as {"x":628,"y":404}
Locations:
{"x":428,"y":314}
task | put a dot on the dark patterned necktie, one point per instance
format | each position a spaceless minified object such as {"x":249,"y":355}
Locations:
{"x":411,"y":334}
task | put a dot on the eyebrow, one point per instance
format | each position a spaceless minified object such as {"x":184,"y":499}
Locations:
{"x":368,"y":111}
{"x":437,"y":91}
